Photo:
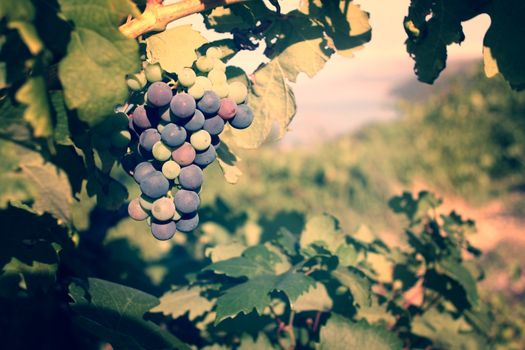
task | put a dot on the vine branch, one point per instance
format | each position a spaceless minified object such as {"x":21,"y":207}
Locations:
{"x":156,"y":16}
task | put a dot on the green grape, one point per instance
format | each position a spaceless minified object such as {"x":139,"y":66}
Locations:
{"x":120,"y":139}
{"x":219,"y":65}
{"x":213,"y":52}
{"x":171,"y":170}
{"x":148,"y":221}
{"x":204,"y":64}
{"x":204,"y":82}
{"x":119,"y":121}
{"x":217,"y":77}
{"x":153,"y":72}
{"x":187,"y":77}
{"x":161,"y":152}
{"x":163,"y":209}
{"x":136,"y":82}
{"x":146,"y":202}
{"x":196,"y":91}
{"x":200,"y":140}
{"x":238,"y":92}
{"x":222,"y":90}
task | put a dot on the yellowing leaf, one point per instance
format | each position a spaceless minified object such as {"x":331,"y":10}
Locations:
{"x":33,"y":94}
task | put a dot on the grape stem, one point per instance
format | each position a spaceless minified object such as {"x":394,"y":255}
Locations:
{"x":156,"y":16}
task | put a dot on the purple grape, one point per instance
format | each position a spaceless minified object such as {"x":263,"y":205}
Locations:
{"x":142,"y":170}
{"x":135,"y":131}
{"x":140,"y":118}
{"x":163,"y":230}
{"x":155,"y":185}
{"x":159,"y":94}
{"x":173,"y":135}
{"x":184,"y":155}
{"x":188,"y":224}
{"x":227,"y":109}
{"x":205,"y":158}
{"x":148,"y":138}
{"x":196,"y":122}
{"x":191,"y":177}
{"x":214,"y":125}
{"x":209,"y":103}
{"x":182,"y":105}
{"x":186,"y":202}
{"x":243,"y":118}
{"x":135,"y":211}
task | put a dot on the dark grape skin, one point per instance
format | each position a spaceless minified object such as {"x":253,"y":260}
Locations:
{"x":173,"y":135}
{"x":243,"y":118}
{"x":140,"y":118}
{"x":155,"y":185}
{"x":129,"y":161}
{"x":214,"y":125}
{"x":182,"y":105}
{"x":188,"y":223}
{"x":209,"y":104}
{"x":196,"y":122}
{"x":191,"y":178}
{"x":163,"y":230}
{"x":148,"y":138}
{"x":205,"y":158}
{"x":186,"y":202}
{"x":227,"y":109}
{"x":159,"y":94}
{"x":142,"y":170}
{"x":184,"y":155}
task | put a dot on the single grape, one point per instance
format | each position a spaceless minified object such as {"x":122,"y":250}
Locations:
{"x":215,"y":141}
{"x":188,"y":223}
{"x":136,"y":82}
{"x":142,"y":170}
{"x":163,"y":209}
{"x":196,"y":91}
{"x":204,"y":82}
{"x":182,"y":105}
{"x":170,"y":169}
{"x":205,"y":158}
{"x":222,"y":90}
{"x":160,"y":151}
{"x":219,"y":65}
{"x":228,"y":108}
{"x":173,"y":135}
{"x":187,"y":77}
{"x":135,"y":211}
{"x":191,"y":177}
{"x":194,"y":123}
{"x":238,"y":92}
{"x":213,"y":52}
{"x":184,"y":155}
{"x":148,"y":138}
{"x":120,"y":139}
{"x":163,"y":230}
{"x":200,"y":140}
{"x":209,"y":103}
{"x":155,"y":185}
{"x":159,"y":94}
{"x":217,"y":76}
{"x":214,"y":126}
{"x":204,"y":64}
{"x":187,"y":202}
{"x":140,"y":117}
{"x":243,"y":118}
{"x":153,"y":72}
{"x":119,"y":121}
{"x":146,"y":202}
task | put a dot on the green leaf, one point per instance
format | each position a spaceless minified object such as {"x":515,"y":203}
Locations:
{"x":322,"y":230}
{"x":460,"y":274}
{"x":98,"y":57}
{"x":341,"y":333}
{"x":174,"y":48}
{"x":228,"y":163}
{"x":189,"y":300}
{"x":255,"y":294}
{"x":315,"y":299}
{"x":35,"y":277}
{"x":357,"y":283}
{"x":33,"y":94}
{"x":261,"y":343}
{"x":61,"y":132}
{"x":20,"y":15}
{"x":115,"y":313}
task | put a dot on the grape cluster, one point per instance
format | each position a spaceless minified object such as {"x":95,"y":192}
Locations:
{"x":177,"y":134}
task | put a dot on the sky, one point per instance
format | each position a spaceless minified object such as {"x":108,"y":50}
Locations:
{"x":351,"y":92}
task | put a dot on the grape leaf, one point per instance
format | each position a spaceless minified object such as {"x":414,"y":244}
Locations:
{"x":174,"y":48}
{"x":315,"y":299}
{"x":460,"y":274}
{"x":20,"y":15}
{"x":189,"y":300}
{"x":357,"y":283}
{"x":98,"y":57}
{"x":115,"y":313}
{"x":261,"y":343}
{"x":33,"y":94}
{"x":225,"y":20}
{"x":341,"y":333}
{"x":227,"y":161}
{"x":322,"y":230}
